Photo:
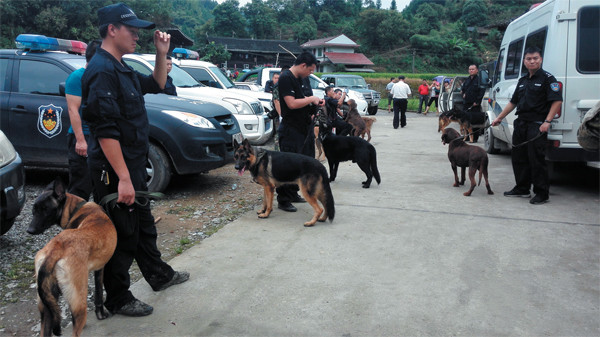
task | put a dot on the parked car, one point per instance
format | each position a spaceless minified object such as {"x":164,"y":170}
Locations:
{"x":210,"y":75}
{"x":357,"y":83}
{"x":254,"y":122}
{"x":186,"y":136}
{"x":567,"y":33}
{"x":261,"y":76}
{"x":12,"y":184}
{"x":248,"y":86}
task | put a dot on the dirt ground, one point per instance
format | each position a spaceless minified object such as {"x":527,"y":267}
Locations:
{"x":195,"y":207}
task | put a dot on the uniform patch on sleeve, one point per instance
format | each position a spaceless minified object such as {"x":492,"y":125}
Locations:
{"x":555,"y":86}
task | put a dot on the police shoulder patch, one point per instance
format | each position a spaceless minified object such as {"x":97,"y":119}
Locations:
{"x":555,"y":86}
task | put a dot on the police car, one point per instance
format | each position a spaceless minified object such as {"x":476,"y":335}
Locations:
{"x":186,"y":136}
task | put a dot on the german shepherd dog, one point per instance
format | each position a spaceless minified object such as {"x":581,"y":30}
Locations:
{"x":463,"y":119}
{"x":448,"y":117}
{"x":340,"y":148}
{"x":272,"y":169}
{"x":87,"y":242}
{"x":462,"y":155}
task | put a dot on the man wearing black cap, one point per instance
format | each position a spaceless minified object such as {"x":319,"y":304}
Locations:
{"x":113,"y":106}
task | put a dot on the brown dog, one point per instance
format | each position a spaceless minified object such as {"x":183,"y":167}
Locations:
{"x":353,"y":118}
{"x":369,"y":123}
{"x":462,"y":155}
{"x":87,"y":243}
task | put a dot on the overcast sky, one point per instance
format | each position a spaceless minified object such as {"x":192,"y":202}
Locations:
{"x":385,"y":4}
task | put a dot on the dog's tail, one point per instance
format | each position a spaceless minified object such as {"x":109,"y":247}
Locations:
{"x":49,"y":291}
{"x":373,"y":155}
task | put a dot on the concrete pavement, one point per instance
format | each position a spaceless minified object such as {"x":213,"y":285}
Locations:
{"x":409,"y":257}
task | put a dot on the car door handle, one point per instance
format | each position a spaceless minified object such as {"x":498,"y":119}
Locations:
{"x":19,"y":108}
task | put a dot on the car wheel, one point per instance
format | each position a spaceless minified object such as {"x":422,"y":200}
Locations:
{"x":372,"y":110}
{"x":158,"y":169}
{"x":5,"y":225}
{"x":488,"y":141}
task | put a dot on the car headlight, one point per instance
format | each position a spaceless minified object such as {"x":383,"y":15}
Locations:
{"x":242,"y":107}
{"x":7,"y":151}
{"x":190,"y":119}
{"x":355,"y":95}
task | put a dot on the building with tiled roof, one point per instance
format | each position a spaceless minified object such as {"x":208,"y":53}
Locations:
{"x":337,"y":52}
{"x":251,"y":53}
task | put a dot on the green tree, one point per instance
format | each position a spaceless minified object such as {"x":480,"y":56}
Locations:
{"x":305,"y":30}
{"x":261,"y":19}
{"x":393,"y":5}
{"x":214,"y":53}
{"x":229,"y":20}
{"x":325,"y":21}
{"x":474,"y":13}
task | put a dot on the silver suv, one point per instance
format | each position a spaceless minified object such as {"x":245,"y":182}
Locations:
{"x":355,"y":82}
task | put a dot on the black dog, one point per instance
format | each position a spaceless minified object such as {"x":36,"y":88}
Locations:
{"x":340,"y":148}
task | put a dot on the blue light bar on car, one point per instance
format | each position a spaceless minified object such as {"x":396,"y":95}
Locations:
{"x":183,"y":53}
{"x":35,"y":42}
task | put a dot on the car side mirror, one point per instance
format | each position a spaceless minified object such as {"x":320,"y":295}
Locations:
{"x":368,"y":86}
{"x":321,"y":85}
{"x":61,"y":88}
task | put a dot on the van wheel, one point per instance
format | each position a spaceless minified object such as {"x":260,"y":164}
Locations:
{"x":6,"y":224}
{"x":158,"y":169}
{"x":488,"y":141}
{"x":372,"y":110}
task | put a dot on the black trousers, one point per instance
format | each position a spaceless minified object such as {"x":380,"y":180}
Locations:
{"x":422,"y":102}
{"x":400,"y":105}
{"x":292,"y":140}
{"x":136,"y":239}
{"x":341,"y":127}
{"x":529,"y":163}
{"x":80,"y":182}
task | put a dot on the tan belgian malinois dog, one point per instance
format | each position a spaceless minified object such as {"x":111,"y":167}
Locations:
{"x":87,"y":242}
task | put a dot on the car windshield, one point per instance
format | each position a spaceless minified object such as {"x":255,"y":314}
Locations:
{"x":226,"y":81}
{"x":181,"y":78}
{"x":351,"y":82}
{"x":76,"y":63}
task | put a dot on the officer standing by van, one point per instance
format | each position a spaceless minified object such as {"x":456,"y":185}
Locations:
{"x":538,"y":99}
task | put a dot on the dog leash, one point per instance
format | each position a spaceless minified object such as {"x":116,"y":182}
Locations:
{"x":110,"y":200}
{"x":471,"y":133}
{"x":529,"y":141}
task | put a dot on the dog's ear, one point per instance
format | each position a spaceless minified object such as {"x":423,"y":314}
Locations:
{"x":235,"y":144}
{"x":247,"y":145}
{"x":59,"y":189}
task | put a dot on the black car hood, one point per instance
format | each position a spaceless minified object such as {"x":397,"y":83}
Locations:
{"x":198,"y":107}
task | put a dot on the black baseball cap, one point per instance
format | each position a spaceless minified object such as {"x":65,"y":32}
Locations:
{"x":122,"y":14}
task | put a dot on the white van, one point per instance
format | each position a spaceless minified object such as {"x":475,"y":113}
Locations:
{"x":568,"y":33}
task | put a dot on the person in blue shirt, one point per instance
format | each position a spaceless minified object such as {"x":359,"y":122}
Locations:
{"x":80,"y":182}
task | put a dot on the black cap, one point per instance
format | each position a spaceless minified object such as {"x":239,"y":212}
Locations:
{"x":123,"y":14}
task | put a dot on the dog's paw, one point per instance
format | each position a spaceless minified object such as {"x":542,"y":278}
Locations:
{"x":456,"y":185}
{"x":263,"y":215}
{"x":102,"y":313}
{"x":365,"y":185}
{"x":309,"y":224}
{"x":467,"y":194}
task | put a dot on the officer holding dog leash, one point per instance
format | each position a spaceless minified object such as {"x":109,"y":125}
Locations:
{"x":538,"y":99}
{"x":113,"y":106}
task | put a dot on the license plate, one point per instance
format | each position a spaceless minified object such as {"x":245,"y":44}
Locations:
{"x":238,"y":136}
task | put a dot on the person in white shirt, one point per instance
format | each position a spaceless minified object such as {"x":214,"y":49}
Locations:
{"x":400,"y":92}
{"x":388,"y":88}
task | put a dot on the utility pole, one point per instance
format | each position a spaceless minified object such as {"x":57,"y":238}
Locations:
{"x":413,"y":63}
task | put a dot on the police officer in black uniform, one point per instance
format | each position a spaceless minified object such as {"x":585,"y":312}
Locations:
{"x":472,"y":95}
{"x":113,"y":106}
{"x":295,"y":131}
{"x":538,"y":99}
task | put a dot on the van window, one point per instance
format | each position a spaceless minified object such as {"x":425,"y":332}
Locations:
{"x":499,"y":67}
{"x":513,"y":59}
{"x":535,"y":39}
{"x":4,"y":74}
{"x":588,"y":38}
{"x":40,"y":78}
